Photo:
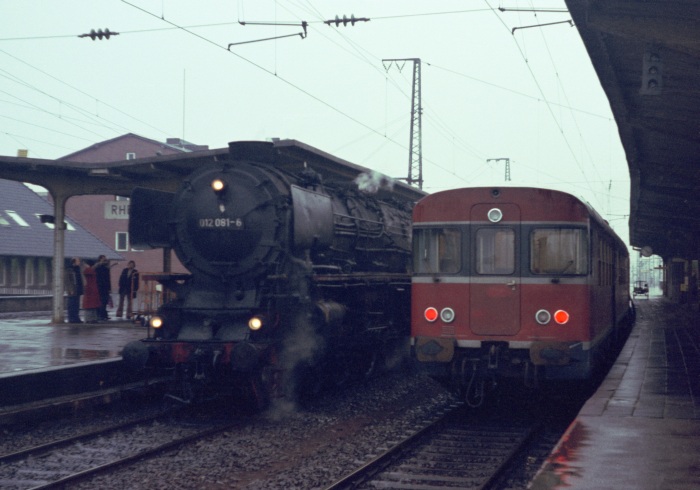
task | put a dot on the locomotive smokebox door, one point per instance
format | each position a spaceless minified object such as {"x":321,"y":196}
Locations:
{"x":313,"y":219}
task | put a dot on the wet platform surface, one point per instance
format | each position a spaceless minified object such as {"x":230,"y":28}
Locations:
{"x":641,"y":429}
{"x":29,"y":343}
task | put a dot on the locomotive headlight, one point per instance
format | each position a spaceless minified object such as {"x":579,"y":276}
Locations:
{"x":543,"y":317}
{"x":255,"y":323}
{"x":218,"y":185}
{"x":447,"y":315}
{"x":561,"y":317}
{"x":431,"y":314}
{"x":156,"y":322}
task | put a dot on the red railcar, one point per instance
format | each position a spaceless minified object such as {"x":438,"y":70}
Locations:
{"x":514,"y":282}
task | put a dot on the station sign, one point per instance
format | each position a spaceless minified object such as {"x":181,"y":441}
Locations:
{"x":117,"y":210}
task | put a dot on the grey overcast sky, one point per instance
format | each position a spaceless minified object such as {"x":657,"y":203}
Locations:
{"x":529,"y":95}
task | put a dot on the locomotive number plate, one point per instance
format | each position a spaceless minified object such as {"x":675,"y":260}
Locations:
{"x":221,"y":223}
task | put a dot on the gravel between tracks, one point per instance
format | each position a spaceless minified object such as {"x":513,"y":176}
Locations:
{"x":289,"y":447}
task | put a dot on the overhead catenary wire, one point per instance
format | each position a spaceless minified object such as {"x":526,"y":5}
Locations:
{"x":432,"y":116}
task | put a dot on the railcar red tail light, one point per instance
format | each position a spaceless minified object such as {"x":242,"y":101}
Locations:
{"x":561,"y":317}
{"x":431,"y":314}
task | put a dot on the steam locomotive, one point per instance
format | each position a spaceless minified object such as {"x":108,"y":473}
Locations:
{"x":299,"y":273}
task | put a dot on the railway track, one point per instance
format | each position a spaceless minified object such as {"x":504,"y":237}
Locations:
{"x":454,"y":451}
{"x":77,"y":458}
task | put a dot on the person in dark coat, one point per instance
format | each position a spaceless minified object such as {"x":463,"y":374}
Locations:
{"x":74,"y":290}
{"x":104,"y":286}
{"x":91,"y":295}
{"x":128,"y":286}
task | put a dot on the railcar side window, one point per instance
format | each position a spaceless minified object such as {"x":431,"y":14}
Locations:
{"x":495,"y":251}
{"x":436,"y":250}
{"x":559,"y":251}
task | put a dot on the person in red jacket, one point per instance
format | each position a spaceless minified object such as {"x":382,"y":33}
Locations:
{"x":91,"y":295}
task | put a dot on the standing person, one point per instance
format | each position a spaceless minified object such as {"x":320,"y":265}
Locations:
{"x":128,"y":286}
{"x":74,"y":290}
{"x":104,"y":286}
{"x":91,"y":298}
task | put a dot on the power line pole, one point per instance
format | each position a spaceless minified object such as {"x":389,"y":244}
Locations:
{"x":507,"y":160}
{"x":415,"y":155}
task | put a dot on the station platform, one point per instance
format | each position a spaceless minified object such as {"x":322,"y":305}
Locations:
{"x":641,"y":429}
{"x":50,"y":369}
{"x":31,"y":341}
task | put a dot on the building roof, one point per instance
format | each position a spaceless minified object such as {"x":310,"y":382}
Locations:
{"x":104,"y":150}
{"x":23,"y":234}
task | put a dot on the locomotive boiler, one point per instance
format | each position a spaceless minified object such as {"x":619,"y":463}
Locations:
{"x":299,"y":273}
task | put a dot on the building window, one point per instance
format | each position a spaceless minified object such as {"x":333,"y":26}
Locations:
{"x":15,"y":272}
{"x":50,"y":226}
{"x":29,"y":272}
{"x":17,"y":218}
{"x":131,"y":156}
{"x":122,"y":241}
{"x":43,"y":276}
{"x":3,"y":271}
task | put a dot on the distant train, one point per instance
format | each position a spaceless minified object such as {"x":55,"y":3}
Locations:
{"x":300,"y":273}
{"x":514,"y":283}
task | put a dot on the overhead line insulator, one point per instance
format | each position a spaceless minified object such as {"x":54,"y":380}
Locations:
{"x":345,"y":20}
{"x":99,"y":33}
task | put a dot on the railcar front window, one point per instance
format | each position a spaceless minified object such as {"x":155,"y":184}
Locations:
{"x":436,"y":250}
{"x":495,"y":251}
{"x":559,"y":251}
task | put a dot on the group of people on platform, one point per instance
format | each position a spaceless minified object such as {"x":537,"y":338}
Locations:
{"x":91,"y":280}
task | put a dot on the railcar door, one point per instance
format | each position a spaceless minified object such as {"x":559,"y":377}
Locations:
{"x":494,"y":300}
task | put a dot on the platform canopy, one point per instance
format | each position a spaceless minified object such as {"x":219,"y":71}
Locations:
{"x":647,"y":57}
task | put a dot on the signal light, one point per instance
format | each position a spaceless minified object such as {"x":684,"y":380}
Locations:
{"x":561,"y":317}
{"x":431,"y":314}
{"x":652,"y":73}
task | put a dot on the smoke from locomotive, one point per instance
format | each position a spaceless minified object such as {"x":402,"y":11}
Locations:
{"x":298,"y":278}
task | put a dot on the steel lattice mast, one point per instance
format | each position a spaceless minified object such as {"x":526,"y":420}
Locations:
{"x":415,"y":154}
